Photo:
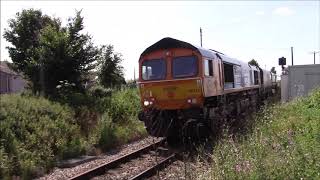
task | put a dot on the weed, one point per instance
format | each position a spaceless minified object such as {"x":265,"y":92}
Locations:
{"x":283,"y":144}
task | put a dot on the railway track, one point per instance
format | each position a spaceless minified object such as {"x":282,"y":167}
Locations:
{"x":157,"y":157}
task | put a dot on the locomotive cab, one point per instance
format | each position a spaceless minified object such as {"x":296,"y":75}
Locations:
{"x":171,"y":79}
{"x":172,"y":76}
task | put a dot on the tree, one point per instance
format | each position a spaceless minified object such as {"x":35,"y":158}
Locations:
{"x":110,"y":71}
{"x":253,"y":62}
{"x":82,"y":50}
{"x":48,"y":53}
{"x":24,"y":34}
{"x":273,"y":70}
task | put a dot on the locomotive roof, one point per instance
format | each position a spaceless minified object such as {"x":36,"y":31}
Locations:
{"x":168,"y":42}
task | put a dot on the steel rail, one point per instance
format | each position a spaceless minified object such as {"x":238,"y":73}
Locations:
{"x":153,"y":170}
{"x":112,"y":164}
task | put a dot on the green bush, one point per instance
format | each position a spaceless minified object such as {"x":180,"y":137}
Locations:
{"x":88,"y":106}
{"x":4,"y":162}
{"x":119,"y":124}
{"x":99,"y":91}
{"x":34,"y":132}
{"x":129,"y":132}
{"x":110,"y":134}
{"x":124,"y":106}
{"x":285,"y":144}
{"x":96,"y":98}
{"x":106,"y":135}
{"x":123,"y":111}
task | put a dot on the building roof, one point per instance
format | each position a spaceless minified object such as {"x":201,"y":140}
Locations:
{"x":5,"y":68}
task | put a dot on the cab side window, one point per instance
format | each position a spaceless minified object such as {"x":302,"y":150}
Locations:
{"x":208,"y":67}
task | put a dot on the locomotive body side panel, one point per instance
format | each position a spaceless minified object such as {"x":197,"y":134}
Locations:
{"x":267,"y":78}
{"x":246,"y":77}
{"x":237,"y":77}
{"x":212,"y":84}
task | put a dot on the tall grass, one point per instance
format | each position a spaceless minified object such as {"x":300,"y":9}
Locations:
{"x":284,"y":144}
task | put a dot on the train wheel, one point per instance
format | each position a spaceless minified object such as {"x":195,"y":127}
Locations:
{"x":202,"y":131}
{"x":159,"y":123}
{"x":156,"y":125}
{"x":141,"y":116}
{"x":148,"y":119}
{"x":174,"y":135}
{"x":194,"y":131}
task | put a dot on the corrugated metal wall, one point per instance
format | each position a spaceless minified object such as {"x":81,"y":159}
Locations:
{"x":302,"y":79}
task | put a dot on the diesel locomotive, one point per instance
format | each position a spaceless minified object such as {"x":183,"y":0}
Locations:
{"x":187,"y":91}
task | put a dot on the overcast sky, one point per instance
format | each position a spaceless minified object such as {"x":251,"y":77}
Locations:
{"x":264,"y":31}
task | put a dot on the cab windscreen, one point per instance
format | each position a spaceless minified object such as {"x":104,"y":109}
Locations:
{"x":186,"y":66}
{"x":154,"y":69}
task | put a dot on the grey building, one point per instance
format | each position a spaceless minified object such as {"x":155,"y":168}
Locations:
{"x":10,"y":81}
{"x":299,"y":81}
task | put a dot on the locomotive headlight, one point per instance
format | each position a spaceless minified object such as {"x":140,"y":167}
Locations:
{"x":146,"y":103}
{"x":192,"y":101}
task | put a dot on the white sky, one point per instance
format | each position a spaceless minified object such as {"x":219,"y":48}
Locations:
{"x":264,"y":31}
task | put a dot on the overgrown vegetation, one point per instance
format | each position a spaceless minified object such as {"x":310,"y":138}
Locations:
{"x":284,"y":144}
{"x":36,"y":132}
{"x":77,"y":104}
{"x":119,"y":124}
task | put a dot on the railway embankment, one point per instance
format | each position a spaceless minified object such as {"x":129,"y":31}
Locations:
{"x":284,"y":143}
{"x":36,"y":133}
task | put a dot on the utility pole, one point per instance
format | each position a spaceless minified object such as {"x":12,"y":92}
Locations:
{"x":201,"y":36}
{"x":314,"y":56}
{"x":292,"y":55}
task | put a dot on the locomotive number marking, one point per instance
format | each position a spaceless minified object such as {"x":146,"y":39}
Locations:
{"x":194,"y":90}
{"x":170,"y":88}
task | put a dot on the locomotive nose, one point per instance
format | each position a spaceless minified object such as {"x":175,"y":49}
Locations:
{"x":172,"y":94}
